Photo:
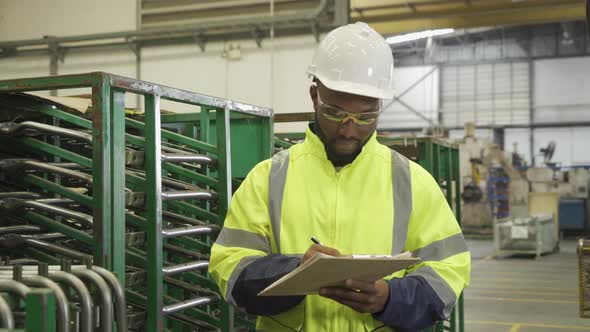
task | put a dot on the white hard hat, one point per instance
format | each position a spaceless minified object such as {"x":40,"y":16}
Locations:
{"x":355,"y":59}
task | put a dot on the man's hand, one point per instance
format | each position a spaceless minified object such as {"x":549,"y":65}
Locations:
{"x":319,"y":248}
{"x":361,"y":296}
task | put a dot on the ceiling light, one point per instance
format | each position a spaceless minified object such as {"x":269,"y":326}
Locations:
{"x":418,"y":35}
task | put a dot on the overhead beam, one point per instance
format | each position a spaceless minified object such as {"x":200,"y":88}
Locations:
{"x":390,"y":22}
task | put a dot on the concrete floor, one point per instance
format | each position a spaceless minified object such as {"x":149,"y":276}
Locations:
{"x":523,"y":294}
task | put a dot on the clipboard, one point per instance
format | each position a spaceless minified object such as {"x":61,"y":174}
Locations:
{"x":324,"y":271}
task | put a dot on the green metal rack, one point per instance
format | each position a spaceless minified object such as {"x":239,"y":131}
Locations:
{"x":441,"y":159}
{"x":131,"y":160}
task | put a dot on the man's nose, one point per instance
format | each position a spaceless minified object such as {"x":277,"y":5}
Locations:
{"x":348,"y":129}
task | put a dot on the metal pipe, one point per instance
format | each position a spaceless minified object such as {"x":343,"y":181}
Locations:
{"x":168,"y":182}
{"x":54,"y":200}
{"x":67,"y":165}
{"x":19,"y":229}
{"x":119,"y":293}
{"x":141,"y":300}
{"x":173,"y":183}
{"x":182,"y":251}
{"x":176,"y":307}
{"x":16,"y":287}
{"x":11,"y":128}
{"x":62,"y":304}
{"x":19,"y":194}
{"x":189,"y":230}
{"x":83,"y":295}
{"x":79,"y":216}
{"x":59,"y":170}
{"x":188,"y":220}
{"x":22,"y":261}
{"x":56,"y":249}
{"x":191,"y":287}
{"x":6,"y":318}
{"x":184,"y":157}
{"x":46,"y":236}
{"x":185,"y":194}
{"x":106,"y":302}
{"x":185,"y":267}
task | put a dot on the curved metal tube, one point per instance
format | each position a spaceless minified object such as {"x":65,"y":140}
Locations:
{"x":22,"y":261}
{"x":9,"y":285}
{"x":6,"y":318}
{"x":187,"y":157}
{"x":20,"y":194}
{"x":188,"y":220}
{"x":187,"y":230}
{"x":46,"y":236}
{"x":67,"y":165}
{"x":106,"y":302}
{"x":185,"y":267}
{"x":61,"y":301}
{"x":19,"y":229}
{"x":15,"y":127}
{"x":58,"y":170}
{"x":185,"y":252}
{"x":168,"y":182}
{"x":119,"y":293}
{"x":56,"y":249}
{"x":83,"y":217}
{"x":83,"y":294}
{"x":179,"y":306}
{"x":54,"y":200}
{"x":173,"y":195}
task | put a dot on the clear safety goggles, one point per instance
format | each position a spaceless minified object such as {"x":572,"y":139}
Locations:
{"x":337,"y":114}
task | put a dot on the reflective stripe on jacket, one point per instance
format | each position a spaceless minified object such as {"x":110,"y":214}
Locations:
{"x":381,"y":203}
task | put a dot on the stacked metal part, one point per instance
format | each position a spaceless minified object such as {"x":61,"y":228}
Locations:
{"x":66,"y":298}
{"x":174,"y":194}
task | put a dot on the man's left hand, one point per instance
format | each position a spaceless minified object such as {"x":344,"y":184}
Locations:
{"x":361,"y":296}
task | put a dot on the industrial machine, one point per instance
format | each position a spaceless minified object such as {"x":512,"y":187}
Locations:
{"x":106,"y":218}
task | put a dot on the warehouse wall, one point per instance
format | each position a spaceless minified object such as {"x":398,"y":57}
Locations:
{"x":562,"y":90}
{"x":32,"y":19}
{"x":421,"y":95}
{"x":560,"y":94}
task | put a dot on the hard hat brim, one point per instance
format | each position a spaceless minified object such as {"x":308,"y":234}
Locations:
{"x":355,"y":88}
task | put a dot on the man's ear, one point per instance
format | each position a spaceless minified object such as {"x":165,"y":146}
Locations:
{"x":313,"y":93}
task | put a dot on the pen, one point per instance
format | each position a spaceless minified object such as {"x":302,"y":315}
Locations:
{"x":316,"y":241}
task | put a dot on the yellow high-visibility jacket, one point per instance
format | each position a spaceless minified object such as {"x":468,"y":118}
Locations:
{"x":381,"y":203}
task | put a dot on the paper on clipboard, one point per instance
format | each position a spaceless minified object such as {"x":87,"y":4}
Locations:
{"x":324,"y":270}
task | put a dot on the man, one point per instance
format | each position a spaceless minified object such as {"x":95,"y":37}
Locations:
{"x":356,"y":197}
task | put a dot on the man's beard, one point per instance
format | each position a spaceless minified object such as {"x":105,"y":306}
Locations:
{"x":338,"y":159}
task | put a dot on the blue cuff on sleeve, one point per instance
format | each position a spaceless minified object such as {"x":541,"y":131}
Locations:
{"x":257,"y":276}
{"x":412,"y":306}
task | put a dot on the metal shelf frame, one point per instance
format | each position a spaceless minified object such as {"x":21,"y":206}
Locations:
{"x":109,"y":126}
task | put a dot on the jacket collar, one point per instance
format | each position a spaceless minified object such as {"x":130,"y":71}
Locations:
{"x":314,"y":145}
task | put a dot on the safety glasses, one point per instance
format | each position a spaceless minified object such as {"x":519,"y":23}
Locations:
{"x":337,"y":114}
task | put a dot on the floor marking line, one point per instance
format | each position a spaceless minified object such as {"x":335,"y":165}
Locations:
{"x":554,"y":326}
{"x":495,"y":291}
{"x":524,"y":288}
{"x":508,"y":299}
